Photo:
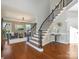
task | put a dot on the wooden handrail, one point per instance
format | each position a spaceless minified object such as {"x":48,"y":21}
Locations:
{"x":33,"y":26}
{"x":33,"y":29}
{"x":49,"y":15}
{"x":45,"y":20}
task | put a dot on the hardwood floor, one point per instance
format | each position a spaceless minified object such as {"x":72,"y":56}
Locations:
{"x":51,"y":51}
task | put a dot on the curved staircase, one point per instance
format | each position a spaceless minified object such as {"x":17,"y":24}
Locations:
{"x":37,"y":38}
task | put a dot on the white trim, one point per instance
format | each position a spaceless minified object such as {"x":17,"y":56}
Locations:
{"x":38,"y":49}
{"x":64,"y":42}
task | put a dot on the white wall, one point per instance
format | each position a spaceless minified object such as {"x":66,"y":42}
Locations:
{"x":62,"y":29}
{"x":66,"y":23}
{"x":44,"y":12}
{"x":72,"y":19}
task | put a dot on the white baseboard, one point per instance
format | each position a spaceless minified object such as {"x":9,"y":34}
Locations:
{"x":64,"y":42}
{"x":38,"y":49}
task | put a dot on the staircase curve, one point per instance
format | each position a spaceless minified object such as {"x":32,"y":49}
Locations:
{"x":37,"y":38}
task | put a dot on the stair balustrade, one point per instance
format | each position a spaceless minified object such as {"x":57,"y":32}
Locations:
{"x":38,"y":37}
{"x":33,"y":29}
{"x":66,"y":2}
{"x":53,"y":14}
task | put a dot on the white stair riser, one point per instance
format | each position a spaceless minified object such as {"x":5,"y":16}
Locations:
{"x":36,"y":35}
{"x":35,"y":38}
{"x":35,"y":42}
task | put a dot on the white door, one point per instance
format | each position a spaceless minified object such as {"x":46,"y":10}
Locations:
{"x":73,"y":35}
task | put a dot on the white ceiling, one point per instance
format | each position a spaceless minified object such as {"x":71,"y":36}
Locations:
{"x":29,"y":9}
{"x":17,"y":9}
{"x":16,"y":14}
